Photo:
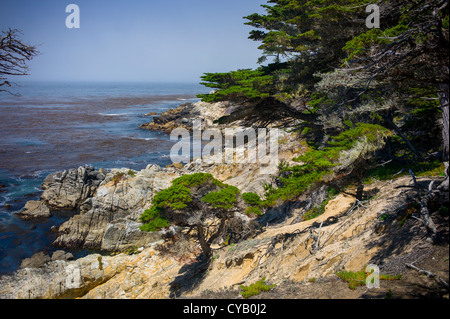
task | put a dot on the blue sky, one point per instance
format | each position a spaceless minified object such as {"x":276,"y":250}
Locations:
{"x":134,"y":40}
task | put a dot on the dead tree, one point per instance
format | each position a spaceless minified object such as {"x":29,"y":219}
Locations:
{"x":14,"y":56}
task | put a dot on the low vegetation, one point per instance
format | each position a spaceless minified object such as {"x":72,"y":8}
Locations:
{"x":255,"y":288}
{"x":356,"y":279}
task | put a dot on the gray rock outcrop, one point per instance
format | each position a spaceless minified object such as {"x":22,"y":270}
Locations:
{"x":70,"y":188}
{"x":34,"y":210}
{"x":110,"y":219}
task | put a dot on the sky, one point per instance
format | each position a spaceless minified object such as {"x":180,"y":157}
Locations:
{"x":134,"y":40}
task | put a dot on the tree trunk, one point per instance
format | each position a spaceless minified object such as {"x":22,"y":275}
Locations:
{"x":390,"y":121}
{"x":443,"y":98}
{"x":360,"y":190}
{"x":203,"y":244}
{"x":219,"y":231}
{"x":360,"y":172}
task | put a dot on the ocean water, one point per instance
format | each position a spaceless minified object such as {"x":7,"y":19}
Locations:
{"x":51,"y":126}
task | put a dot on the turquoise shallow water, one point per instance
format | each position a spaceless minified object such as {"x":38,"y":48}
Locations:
{"x":54,"y":126}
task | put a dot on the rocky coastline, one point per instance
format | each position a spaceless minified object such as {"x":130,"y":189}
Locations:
{"x":185,"y":114}
{"x":107,"y":204}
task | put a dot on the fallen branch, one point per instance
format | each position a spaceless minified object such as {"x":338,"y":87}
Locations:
{"x":413,"y":178}
{"x":356,"y":205}
{"x":315,"y":248}
{"x":429,"y":274}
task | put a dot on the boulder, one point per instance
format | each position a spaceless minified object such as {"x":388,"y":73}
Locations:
{"x":60,"y":278}
{"x":122,"y":234}
{"x":70,"y":188}
{"x":36,"y":261}
{"x":34,"y":210}
{"x":62,"y":255}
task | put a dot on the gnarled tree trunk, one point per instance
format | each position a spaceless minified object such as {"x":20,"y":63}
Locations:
{"x":203,"y":244}
{"x":443,"y":98}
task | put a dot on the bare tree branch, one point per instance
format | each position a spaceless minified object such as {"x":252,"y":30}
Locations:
{"x":14,"y":56}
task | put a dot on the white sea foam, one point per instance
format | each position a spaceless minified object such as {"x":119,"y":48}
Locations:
{"x":113,"y":114}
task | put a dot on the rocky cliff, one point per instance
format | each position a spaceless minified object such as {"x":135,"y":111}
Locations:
{"x":300,"y":257}
{"x":305,"y":255}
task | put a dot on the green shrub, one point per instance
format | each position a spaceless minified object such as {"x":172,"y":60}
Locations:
{"x":255,"y":203}
{"x":224,"y":198}
{"x":255,"y":289}
{"x":252,"y":199}
{"x":196,"y":179}
{"x":181,"y":196}
{"x":176,"y":197}
{"x":155,"y":225}
{"x":348,"y":151}
{"x":251,"y":210}
{"x":355,"y":279}
{"x":152,"y":220}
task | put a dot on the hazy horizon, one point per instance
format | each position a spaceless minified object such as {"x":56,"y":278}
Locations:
{"x":171,"y":41}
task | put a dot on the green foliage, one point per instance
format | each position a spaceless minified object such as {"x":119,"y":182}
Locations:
{"x":252,"y":210}
{"x":393,"y":170}
{"x":196,"y":179}
{"x":358,"y":144}
{"x":252,"y":199}
{"x":176,"y":197}
{"x":335,"y":73}
{"x":255,"y":204}
{"x":290,"y":30}
{"x":131,"y":173}
{"x":155,"y":224}
{"x":355,"y":279}
{"x":224,"y":198}
{"x":359,"y":44}
{"x":237,"y":85}
{"x":255,"y":288}
{"x":152,"y":220}
{"x":183,"y":196}
{"x":118,"y":177}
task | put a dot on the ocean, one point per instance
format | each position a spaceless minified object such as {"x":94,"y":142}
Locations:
{"x":51,"y":126}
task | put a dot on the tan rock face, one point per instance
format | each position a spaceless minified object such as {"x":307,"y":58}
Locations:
{"x":350,"y":238}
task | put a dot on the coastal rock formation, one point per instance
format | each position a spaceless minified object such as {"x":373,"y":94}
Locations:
{"x":184,"y":116}
{"x":59,"y":278}
{"x":34,"y":210}
{"x":347,"y":236}
{"x":63,"y":190}
{"x":300,"y":254}
{"x":70,"y":188}
{"x":110,"y":219}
